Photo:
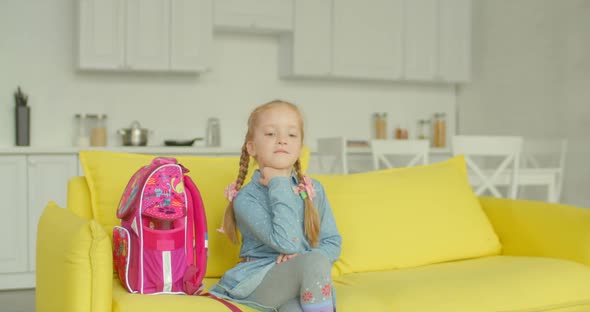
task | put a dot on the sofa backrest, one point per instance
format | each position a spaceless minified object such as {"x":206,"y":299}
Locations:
{"x":107,"y":174}
{"x":408,"y":217}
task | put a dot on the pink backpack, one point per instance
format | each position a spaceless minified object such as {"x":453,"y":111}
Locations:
{"x":161,"y":245}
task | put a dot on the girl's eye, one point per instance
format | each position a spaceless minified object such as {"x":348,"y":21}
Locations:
{"x":269,"y":134}
{"x":293,"y":135}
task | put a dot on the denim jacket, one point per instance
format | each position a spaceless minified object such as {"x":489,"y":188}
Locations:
{"x":271,"y":222}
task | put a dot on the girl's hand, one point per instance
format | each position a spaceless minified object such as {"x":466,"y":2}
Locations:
{"x":282,"y":257}
{"x":269,"y":173}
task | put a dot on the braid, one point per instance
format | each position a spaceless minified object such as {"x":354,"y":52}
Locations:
{"x":229,"y":219}
{"x":312,"y":219}
{"x":244,"y":163}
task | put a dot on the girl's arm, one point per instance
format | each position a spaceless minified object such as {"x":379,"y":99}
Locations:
{"x":278,"y":227}
{"x":330,"y":240}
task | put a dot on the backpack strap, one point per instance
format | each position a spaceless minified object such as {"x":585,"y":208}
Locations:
{"x":198,"y":241}
{"x":226,"y":303}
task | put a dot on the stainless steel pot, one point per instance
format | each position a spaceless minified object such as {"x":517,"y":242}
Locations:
{"x":134,"y":136}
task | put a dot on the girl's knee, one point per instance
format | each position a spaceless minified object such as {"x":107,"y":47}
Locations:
{"x":317,"y":260}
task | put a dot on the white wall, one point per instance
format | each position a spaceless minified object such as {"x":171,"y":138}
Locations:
{"x":37,"y":51}
{"x":531,"y":77}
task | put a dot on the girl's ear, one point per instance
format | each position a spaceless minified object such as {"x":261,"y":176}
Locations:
{"x":250,"y":148}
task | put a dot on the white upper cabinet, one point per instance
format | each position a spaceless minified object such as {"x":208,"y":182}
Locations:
{"x":367,"y":38}
{"x":150,"y":35}
{"x":191,"y":35}
{"x":101,"y":34}
{"x":437,"y":40}
{"x":254,"y":15}
{"x":455,"y":40}
{"x":421,"y":39}
{"x":307,"y":51}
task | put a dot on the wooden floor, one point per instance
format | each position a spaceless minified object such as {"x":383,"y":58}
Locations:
{"x":17,"y":300}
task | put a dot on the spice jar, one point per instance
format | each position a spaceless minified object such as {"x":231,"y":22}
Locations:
{"x":401,"y":132}
{"x":82,"y":136}
{"x":423,"y":132}
{"x":98,"y":133}
{"x":380,"y":125}
{"x":440,"y":130}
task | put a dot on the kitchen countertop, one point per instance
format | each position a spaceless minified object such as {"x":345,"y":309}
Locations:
{"x":170,"y":150}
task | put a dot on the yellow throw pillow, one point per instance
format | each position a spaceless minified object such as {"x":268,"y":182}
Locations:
{"x":408,"y":217}
{"x":107,"y":175}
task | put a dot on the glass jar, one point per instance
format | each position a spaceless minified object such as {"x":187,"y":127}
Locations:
{"x":380,"y":125}
{"x":82,"y":131}
{"x":423,"y":130}
{"x":98,"y":133}
{"x":440,"y":130}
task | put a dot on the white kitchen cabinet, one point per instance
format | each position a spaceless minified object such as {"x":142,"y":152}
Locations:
{"x":267,"y":16}
{"x":191,"y":35}
{"x":148,"y":34}
{"x":421,"y":39}
{"x":437,"y":40}
{"x":13,"y":232}
{"x":307,"y":51}
{"x":47,"y":180}
{"x":29,"y":183}
{"x":101,"y":34}
{"x":367,"y":39}
{"x":145,"y":35}
{"x":455,"y":40}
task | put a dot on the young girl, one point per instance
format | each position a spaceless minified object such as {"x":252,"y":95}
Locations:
{"x":289,"y":236}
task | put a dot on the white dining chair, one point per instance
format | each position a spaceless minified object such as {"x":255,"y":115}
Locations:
{"x":383,"y":151}
{"x":543,"y":163}
{"x":505,"y":150}
{"x":332,"y":155}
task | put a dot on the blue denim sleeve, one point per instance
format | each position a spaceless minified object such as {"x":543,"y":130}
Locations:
{"x":276,"y":227}
{"x":330,"y":240}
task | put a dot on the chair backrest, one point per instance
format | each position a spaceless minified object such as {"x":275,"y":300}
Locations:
{"x":417,"y":150}
{"x":507,"y":148}
{"x":332,"y":155}
{"x":542,"y":153}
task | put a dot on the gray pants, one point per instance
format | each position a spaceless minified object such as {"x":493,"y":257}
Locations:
{"x":299,"y":284}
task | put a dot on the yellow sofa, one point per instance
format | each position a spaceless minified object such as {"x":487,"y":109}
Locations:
{"x":414,"y":239}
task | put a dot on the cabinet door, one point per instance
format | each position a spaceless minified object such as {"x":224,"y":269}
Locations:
{"x":455,"y":40}
{"x":308,"y":50}
{"x":421,"y":40}
{"x":47,"y":177}
{"x":191,"y":34}
{"x":13,"y":232}
{"x":367,"y":38}
{"x":254,"y":15}
{"x":100,"y":34}
{"x":148,"y":34}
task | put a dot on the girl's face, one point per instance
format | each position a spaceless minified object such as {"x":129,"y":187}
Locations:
{"x":276,"y":139}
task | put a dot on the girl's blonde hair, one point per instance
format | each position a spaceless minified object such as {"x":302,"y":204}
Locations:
{"x":312,"y":219}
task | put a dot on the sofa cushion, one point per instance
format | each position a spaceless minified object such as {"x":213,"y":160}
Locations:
{"x":124,"y":301}
{"x":107,"y":174}
{"x":408,"y":217}
{"x":497,"y":283}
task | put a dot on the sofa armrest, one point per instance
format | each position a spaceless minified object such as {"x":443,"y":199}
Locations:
{"x":79,"y":197}
{"x":74,"y":263}
{"x":529,"y":228}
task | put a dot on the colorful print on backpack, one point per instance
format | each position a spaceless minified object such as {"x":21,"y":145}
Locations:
{"x":161,"y":245}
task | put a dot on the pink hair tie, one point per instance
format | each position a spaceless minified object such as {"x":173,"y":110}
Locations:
{"x":231,"y":191}
{"x":305,"y":189}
